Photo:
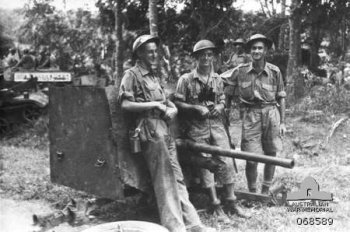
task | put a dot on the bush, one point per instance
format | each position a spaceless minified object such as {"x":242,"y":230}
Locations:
{"x":34,"y":134}
{"x":328,"y":99}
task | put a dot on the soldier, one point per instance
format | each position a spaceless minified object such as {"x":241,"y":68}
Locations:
{"x":27,"y":61}
{"x":259,"y":86}
{"x":239,"y":56}
{"x":12,"y":58}
{"x":44,"y":58}
{"x":199,"y":95}
{"x":142,"y":95}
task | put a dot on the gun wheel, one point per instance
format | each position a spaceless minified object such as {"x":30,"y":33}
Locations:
{"x":4,"y":126}
{"x":31,"y":113}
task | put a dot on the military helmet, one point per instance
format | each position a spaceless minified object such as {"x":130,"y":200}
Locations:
{"x":239,"y":41}
{"x":203,"y":44}
{"x":259,"y":37}
{"x":142,"y":40}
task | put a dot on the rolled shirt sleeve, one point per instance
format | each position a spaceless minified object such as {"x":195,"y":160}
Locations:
{"x":281,"y":93}
{"x":181,"y":89}
{"x":127,"y":87}
{"x":229,"y":78}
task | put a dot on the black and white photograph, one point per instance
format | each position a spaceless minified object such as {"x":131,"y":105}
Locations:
{"x":174,"y":115}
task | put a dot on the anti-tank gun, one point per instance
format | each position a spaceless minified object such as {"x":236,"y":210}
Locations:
{"x":90,"y":149}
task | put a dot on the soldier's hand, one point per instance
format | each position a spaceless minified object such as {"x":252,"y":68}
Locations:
{"x":282,"y":129}
{"x":217,"y":110}
{"x":160,"y":106}
{"x":202,"y":110}
{"x":170,"y":113}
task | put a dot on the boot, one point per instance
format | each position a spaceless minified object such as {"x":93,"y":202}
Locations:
{"x":265,"y":189}
{"x":219,"y":213}
{"x":215,"y":207}
{"x":233,"y":208}
{"x":252,"y":189}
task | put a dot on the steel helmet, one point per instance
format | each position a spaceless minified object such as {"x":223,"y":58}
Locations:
{"x":203,"y":44}
{"x":259,"y":37}
{"x":239,"y":41}
{"x":142,"y":40}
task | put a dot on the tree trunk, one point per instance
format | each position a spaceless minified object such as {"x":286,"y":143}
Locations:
{"x":343,"y":38}
{"x":316,"y":41}
{"x":283,"y":8}
{"x":282,"y":37}
{"x":117,"y":76}
{"x":283,"y":28}
{"x":153,"y":17}
{"x":294,"y":52}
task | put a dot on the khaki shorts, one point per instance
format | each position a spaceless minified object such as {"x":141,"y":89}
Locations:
{"x":261,"y":130}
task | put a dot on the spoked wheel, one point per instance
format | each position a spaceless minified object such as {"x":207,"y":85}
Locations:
{"x":4,"y":126}
{"x":31,"y":113}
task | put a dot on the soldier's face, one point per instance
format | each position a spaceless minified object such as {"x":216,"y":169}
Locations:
{"x":205,"y":58}
{"x":258,"y":51}
{"x":148,"y":54}
{"x":239,"y":47}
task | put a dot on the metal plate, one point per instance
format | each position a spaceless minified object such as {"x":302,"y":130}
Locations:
{"x":133,"y":170}
{"x":43,"y":76}
{"x":82,"y":153}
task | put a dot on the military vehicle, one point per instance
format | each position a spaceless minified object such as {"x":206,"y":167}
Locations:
{"x":22,"y":95}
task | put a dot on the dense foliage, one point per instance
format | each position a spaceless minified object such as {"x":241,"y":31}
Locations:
{"x":81,"y":39}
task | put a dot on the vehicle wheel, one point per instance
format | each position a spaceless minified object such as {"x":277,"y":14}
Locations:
{"x":31,"y":113}
{"x":128,"y":226}
{"x":4,"y":126}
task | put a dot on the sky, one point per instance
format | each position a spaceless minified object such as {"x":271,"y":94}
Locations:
{"x":70,"y":4}
{"x":245,"y":5}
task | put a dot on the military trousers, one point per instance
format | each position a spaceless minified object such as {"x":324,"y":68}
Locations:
{"x":175,"y":209}
{"x":216,"y":135}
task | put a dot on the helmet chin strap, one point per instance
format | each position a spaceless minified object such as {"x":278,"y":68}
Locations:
{"x":147,"y":65}
{"x":204,"y":69}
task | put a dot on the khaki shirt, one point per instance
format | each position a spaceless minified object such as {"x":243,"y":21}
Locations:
{"x":191,"y":84}
{"x":188,"y":90}
{"x":237,"y":59}
{"x":252,"y":87}
{"x":140,"y":85}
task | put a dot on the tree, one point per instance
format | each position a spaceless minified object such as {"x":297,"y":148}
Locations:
{"x":119,"y":43}
{"x":294,"y":50}
{"x":153,"y":17}
{"x":283,"y":29}
{"x":326,"y":20}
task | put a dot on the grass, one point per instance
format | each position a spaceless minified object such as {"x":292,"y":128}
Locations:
{"x":25,"y":175}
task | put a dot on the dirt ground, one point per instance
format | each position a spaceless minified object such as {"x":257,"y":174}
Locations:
{"x":25,"y":187}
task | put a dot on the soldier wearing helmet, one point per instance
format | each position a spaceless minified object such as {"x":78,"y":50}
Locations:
{"x":238,"y":56}
{"x":201,"y":101}
{"x":259,"y":86}
{"x":27,"y":61}
{"x":142,"y":95}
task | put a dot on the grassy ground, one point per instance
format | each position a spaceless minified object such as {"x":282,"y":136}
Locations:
{"x":25,"y":187}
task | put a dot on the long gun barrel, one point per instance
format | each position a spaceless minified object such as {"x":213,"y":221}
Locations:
{"x":214,"y":150}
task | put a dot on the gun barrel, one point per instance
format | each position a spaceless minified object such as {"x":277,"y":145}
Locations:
{"x":214,"y":150}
